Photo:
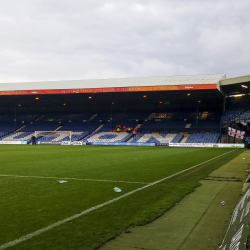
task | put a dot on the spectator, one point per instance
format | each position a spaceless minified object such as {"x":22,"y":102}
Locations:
{"x":33,"y":140}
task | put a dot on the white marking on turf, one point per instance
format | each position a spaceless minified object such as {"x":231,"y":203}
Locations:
{"x":61,"y":178}
{"x":31,"y":235}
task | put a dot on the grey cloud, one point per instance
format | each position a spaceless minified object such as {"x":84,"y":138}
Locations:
{"x":56,"y":40}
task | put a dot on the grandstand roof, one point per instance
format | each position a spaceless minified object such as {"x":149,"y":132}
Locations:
{"x":235,"y":80}
{"x":236,"y":85}
{"x":114,"y":85}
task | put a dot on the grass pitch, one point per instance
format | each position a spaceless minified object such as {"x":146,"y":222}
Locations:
{"x":32,"y":199}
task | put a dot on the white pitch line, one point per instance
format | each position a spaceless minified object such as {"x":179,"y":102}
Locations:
{"x":31,"y":235}
{"x":61,"y":178}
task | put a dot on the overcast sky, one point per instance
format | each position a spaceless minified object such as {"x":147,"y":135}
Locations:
{"x":93,"y":39}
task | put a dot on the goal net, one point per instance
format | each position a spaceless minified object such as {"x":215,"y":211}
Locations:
{"x":53,"y":136}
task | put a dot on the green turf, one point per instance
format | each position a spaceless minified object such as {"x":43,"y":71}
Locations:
{"x":212,"y":226}
{"x":173,"y":227}
{"x":29,"y":204}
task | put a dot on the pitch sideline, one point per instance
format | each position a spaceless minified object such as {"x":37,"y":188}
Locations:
{"x":31,"y":235}
{"x":66,"y":178}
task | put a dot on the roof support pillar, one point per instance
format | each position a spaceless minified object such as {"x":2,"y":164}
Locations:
{"x":15,"y":116}
{"x":224,"y":104}
{"x":197,"y":115}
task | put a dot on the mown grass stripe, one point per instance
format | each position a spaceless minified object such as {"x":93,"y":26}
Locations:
{"x":33,"y":234}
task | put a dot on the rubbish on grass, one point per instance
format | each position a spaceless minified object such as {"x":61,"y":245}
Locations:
{"x":61,"y":181}
{"x":117,"y":190}
{"x":223,"y":203}
{"x":243,"y":158}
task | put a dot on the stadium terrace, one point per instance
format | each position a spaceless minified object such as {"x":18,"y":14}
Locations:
{"x":160,"y":110}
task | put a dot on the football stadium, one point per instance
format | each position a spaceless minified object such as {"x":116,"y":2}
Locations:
{"x":161,"y":163}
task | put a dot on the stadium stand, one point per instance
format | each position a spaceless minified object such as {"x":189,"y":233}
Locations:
{"x":203,"y":138}
{"x":102,"y":134}
{"x":80,"y":126}
{"x":162,"y":125}
{"x":244,"y":117}
{"x":121,"y":116}
{"x":150,"y":107}
{"x":161,"y":129}
{"x":104,"y":116}
{"x":43,"y":126}
{"x":65,"y":117}
{"x":177,"y":138}
{"x":210,"y":115}
{"x":229,"y":115}
{"x":158,"y":138}
{"x":17,"y":136}
{"x":9,"y":126}
{"x":27,"y":131}
{"x":3,"y":134}
{"x":112,"y":125}
{"x":21,"y":136}
{"x":175,"y":115}
{"x":234,"y":111}
{"x":96,"y":131}
{"x":76,"y":136}
{"x":79,"y":129}
{"x":212,"y":124}
{"x":109,"y":137}
{"x":57,"y":136}
{"x":19,"y":118}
